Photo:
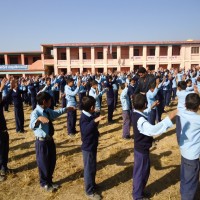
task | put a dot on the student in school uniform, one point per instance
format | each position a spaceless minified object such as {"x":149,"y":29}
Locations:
{"x":16,"y":95}
{"x":125,"y":102}
{"x":4,"y":136}
{"x":151,"y":98}
{"x":143,"y":138}
{"x":70,"y":95}
{"x":94,"y":92}
{"x":89,"y":137}
{"x":188,"y":135}
{"x":82,"y":93}
{"x":41,"y":124}
{"x":5,"y":92}
{"x":110,"y":98}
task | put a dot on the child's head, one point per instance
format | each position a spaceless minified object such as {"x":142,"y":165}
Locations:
{"x":139,"y":102}
{"x":192,"y":102}
{"x":94,"y":84}
{"x":70,"y":82}
{"x":88,"y":104}
{"x":189,"y":82}
{"x":182,"y":85}
{"x":122,"y":86}
{"x":44,"y":99}
{"x":152,"y":86}
{"x":110,"y":79}
{"x":132,"y":82}
{"x":48,"y":81}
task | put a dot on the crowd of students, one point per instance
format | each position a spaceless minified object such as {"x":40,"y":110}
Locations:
{"x":144,"y":94}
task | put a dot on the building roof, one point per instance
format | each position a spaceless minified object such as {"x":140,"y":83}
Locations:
{"x":20,"y":52}
{"x":123,"y":43}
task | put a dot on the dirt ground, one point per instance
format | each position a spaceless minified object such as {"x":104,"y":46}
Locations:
{"x":115,"y":163}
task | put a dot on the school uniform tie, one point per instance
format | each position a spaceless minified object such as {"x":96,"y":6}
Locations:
{"x":51,"y":128}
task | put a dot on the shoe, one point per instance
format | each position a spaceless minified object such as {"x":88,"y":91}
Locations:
{"x":147,"y":194}
{"x":144,"y":198}
{"x":111,"y":122}
{"x":71,"y":135}
{"x":2,"y":178}
{"x":48,"y":188}
{"x":55,"y":186}
{"x":127,"y":137}
{"x":4,"y":172}
{"x":94,"y":196}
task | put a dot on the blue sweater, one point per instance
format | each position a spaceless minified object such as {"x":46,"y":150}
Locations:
{"x":89,"y":132}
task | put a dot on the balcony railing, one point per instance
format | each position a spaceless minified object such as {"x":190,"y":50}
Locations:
{"x":99,"y":61}
{"x":86,"y":61}
{"x":137,"y":58}
{"x":163,"y":58}
{"x":175,"y":58}
{"x":112,"y":62}
{"x":74,"y":62}
{"x":62,"y":62}
{"x":151,"y":58}
{"x":49,"y":61}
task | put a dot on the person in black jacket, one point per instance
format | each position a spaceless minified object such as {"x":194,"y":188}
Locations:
{"x":144,"y":81}
{"x":89,"y":137}
{"x":4,"y":137}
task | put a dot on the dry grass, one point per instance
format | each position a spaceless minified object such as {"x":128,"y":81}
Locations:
{"x":115,"y":164}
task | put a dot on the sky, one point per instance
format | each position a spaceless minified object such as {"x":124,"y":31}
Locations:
{"x":26,"y":24}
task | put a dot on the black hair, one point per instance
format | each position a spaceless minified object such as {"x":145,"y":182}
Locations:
{"x":70,"y":80}
{"x":139,"y":101}
{"x":182,"y":85}
{"x":87,"y":103}
{"x":192,"y":101}
{"x":93,"y":82}
{"x":42,"y":96}
{"x":152,"y":85}
{"x":188,"y":80}
{"x":142,"y":70}
{"x":122,"y":86}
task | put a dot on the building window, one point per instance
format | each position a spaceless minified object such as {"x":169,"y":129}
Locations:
{"x":195,"y":50}
{"x":151,"y":67}
{"x":152,"y":52}
{"x":14,"y":60}
{"x":114,"y":55}
{"x":99,"y":55}
{"x":26,"y":61}
{"x":136,"y":52}
{"x":36,"y":58}
{"x":2,"y":62}
{"x":84,"y":56}
{"x":63,"y":56}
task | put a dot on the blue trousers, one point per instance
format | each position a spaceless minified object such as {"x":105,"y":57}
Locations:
{"x":167,"y":97}
{"x":71,"y":122}
{"x":46,"y":160}
{"x":126,"y":123}
{"x":174,"y":93}
{"x":19,"y":118}
{"x":4,"y":149}
{"x":141,"y":171}
{"x":190,"y":171}
{"x":81,"y":95}
{"x":152,"y":116}
{"x":115,"y":98}
{"x":89,"y":161}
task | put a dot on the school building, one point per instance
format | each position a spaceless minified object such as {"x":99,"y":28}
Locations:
{"x":101,"y":57}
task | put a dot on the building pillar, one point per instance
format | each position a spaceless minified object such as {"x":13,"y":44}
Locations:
{"x":22,"y":59}
{"x":119,"y":58}
{"x":182,"y":56}
{"x":157,"y":54}
{"x":68,"y":60}
{"x":131,"y":50}
{"x":144,"y":56}
{"x":169,"y":54}
{"x":6,"y":59}
{"x":92,"y":59}
{"x":81,"y":59}
{"x":105,"y":58}
{"x":55,"y":53}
